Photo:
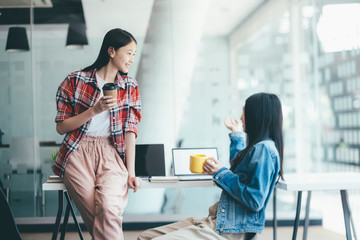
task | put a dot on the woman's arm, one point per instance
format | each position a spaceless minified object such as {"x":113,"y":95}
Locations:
{"x":237,"y":142}
{"x":75,"y":122}
{"x":133,"y":181}
{"x":253,"y":193}
{"x":132,"y":119}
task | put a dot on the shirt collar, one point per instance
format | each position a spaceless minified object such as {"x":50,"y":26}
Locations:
{"x":92,"y":77}
{"x":119,"y":80}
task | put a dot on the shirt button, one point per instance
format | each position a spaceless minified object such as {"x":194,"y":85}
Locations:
{"x":217,"y":177}
{"x":221,"y":230}
{"x":222,"y":210}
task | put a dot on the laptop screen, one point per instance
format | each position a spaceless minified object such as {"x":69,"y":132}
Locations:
{"x":181,"y":158}
{"x":149,"y":160}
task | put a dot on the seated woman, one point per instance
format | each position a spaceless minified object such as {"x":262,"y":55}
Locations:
{"x":8,"y":227}
{"x":247,"y":185}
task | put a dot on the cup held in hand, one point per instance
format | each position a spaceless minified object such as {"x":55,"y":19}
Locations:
{"x":110,"y":89}
{"x":197,"y":162}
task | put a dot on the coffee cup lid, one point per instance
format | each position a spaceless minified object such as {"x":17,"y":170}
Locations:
{"x":109,"y":86}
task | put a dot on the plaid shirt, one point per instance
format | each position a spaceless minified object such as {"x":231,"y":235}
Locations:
{"x":79,"y":92}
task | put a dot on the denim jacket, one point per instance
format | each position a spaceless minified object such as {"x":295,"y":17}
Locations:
{"x":247,"y":190}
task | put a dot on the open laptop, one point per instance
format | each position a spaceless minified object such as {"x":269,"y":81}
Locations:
{"x":149,"y":160}
{"x":181,"y":162}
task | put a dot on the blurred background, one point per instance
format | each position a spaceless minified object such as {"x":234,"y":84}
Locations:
{"x":196,"y":63}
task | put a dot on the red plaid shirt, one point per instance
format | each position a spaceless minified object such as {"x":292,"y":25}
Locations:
{"x":77,"y":93}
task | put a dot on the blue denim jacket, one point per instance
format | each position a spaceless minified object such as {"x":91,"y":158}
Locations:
{"x":247,"y":190}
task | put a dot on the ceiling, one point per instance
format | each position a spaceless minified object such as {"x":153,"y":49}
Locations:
{"x":225,"y":15}
{"x":101,"y":15}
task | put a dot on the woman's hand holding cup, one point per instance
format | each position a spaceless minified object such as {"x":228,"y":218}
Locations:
{"x":109,"y":100}
{"x":211,"y":166}
{"x":105,"y":103}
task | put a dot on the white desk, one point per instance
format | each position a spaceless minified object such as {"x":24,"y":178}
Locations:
{"x":341,"y":181}
{"x":60,"y":187}
{"x":53,"y":186}
{"x":293,"y":182}
{"x":145,"y":184}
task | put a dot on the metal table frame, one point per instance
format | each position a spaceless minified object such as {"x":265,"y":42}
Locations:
{"x":69,"y":208}
{"x":324,"y":181}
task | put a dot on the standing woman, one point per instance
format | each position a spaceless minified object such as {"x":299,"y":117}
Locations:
{"x":97,"y":156}
{"x":246,"y":186}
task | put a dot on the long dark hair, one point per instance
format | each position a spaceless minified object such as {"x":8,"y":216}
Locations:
{"x":263,"y":119}
{"x":115,"y":38}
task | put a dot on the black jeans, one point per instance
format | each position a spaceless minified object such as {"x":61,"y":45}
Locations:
{"x":8,"y":228}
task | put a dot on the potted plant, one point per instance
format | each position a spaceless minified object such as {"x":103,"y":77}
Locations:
{"x":54,"y":155}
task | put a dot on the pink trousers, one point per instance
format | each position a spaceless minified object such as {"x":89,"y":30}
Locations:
{"x":96,"y":179}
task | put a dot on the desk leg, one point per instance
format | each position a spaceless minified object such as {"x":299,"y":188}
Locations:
{"x":352,"y":224}
{"x":274,"y":215}
{"x":74,"y":216}
{"x":297,"y":217}
{"x":43,"y":203}
{"x":58,"y":216}
{"x":351,"y":218}
{"x":307,"y":212}
{"x":347,"y":213}
{"x":65,"y":222}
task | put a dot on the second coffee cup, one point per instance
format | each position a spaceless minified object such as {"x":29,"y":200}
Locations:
{"x":110,"y":89}
{"x":197,"y":162}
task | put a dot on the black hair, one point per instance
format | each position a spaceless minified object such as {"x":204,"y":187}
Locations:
{"x":115,"y":38}
{"x":263,"y":120}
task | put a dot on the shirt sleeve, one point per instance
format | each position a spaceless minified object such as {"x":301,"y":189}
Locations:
{"x":134,"y":113}
{"x":237,"y":143}
{"x":64,"y":98}
{"x":253,"y":193}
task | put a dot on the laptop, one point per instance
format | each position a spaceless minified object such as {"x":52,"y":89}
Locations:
{"x":181,"y":162}
{"x":149,"y":160}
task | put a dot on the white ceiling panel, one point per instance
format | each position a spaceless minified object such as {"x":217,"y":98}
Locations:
{"x":225,"y":15}
{"x":130,"y":15}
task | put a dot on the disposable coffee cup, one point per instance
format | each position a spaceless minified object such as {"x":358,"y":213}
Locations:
{"x":197,"y":162}
{"x":110,"y":89}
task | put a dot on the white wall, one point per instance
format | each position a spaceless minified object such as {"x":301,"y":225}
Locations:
{"x":211,"y":99}
{"x":166,"y":69}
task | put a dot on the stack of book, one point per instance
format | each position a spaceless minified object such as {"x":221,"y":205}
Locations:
{"x":54,"y":179}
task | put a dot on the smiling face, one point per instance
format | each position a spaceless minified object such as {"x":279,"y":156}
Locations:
{"x":123,"y":57}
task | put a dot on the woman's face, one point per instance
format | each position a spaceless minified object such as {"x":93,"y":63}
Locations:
{"x":123,"y":57}
{"x":242,"y":118}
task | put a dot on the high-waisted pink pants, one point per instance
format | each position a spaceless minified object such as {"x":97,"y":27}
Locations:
{"x":96,"y":179}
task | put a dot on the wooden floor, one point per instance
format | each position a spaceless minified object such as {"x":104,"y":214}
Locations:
{"x":284,"y":233}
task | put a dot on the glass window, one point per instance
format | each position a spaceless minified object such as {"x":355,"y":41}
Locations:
{"x":307,"y":52}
